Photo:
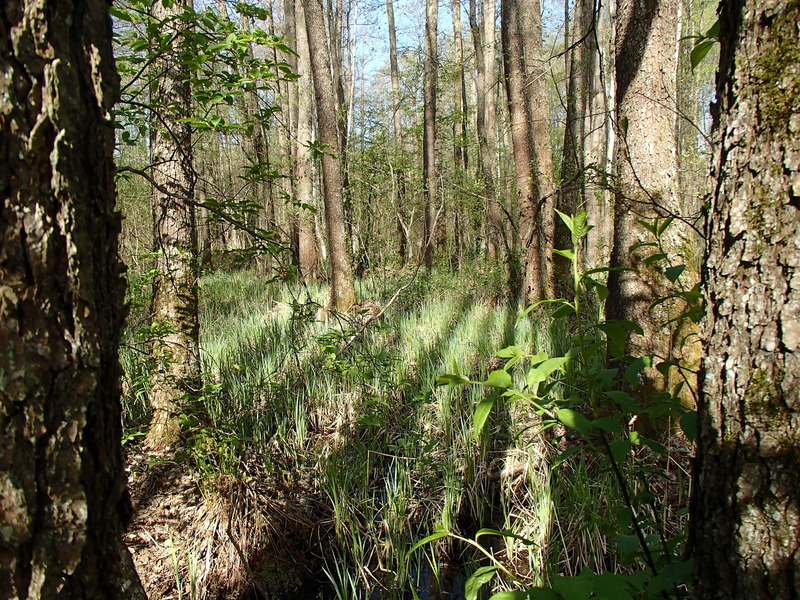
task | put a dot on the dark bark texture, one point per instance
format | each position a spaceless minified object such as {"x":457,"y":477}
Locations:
{"x":63,"y":491}
{"x":746,"y":513}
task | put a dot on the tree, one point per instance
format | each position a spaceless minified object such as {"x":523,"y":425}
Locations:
{"x":429,"y":172}
{"x":343,"y":294}
{"x":63,"y":488}
{"x":522,"y":141}
{"x":175,"y":304}
{"x":746,"y":507}
{"x":647,"y":168}
{"x":483,"y":41}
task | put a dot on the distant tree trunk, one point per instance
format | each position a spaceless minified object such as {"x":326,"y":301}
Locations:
{"x":342,"y":288}
{"x":522,"y":142}
{"x":483,"y":35}
{"x":460,"y":154}
{"x":536,"y":70}
{"x":429,"y":173}
{"x":398,"y":185}
{"x":647,"y":168}
{"x":746,"y":507}
{"x":63,"y":491}
{"x":303,"y":165}
{"x":176,"y":377}
{"x":572,"y":193}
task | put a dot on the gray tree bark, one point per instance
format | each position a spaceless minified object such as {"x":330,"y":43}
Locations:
{"x":343,"y":294}
{"x":176,"y":377}
{"x":746,"y":509}
{"x":63,"y":491}
{"x":527,"y":189}
{"x":429,"y":172}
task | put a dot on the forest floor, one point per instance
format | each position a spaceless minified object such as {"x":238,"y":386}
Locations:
{"x":320,"y":452}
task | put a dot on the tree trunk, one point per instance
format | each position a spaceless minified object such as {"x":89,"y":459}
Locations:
{"x":63,"y":491}
{"x":176,"y":377}
{"x":746,"y":508}
{"x":303,"y":165}
{"x":398,"y":185}
{"x":429,"y":172}
{"x":483,"y":36}
{"x":522,"y":142}
{"x":343,"y":294}
{"x":647,"y":168}
{"x":536,"y":70}
{"x":572,"y":195}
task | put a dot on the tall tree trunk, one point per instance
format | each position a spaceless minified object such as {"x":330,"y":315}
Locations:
{"x":572,"y":193}
{"x":303,"y":165}
{"x":429,"y":171}
{"x":483,"y":41}
{"x":522,"y":142}
{"x":647,"y":167}
{"x":176,"y":377}
{"x":536,"y":70}
{"x":746,"y":508}
{"x":343,"y":294}
{"x":62,"y":483}
{"x":398,"y":185}
{"x":460,"y":154}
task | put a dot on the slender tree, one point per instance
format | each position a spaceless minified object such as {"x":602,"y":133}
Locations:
{"x":522,"y":141}
{"x":342,"y":288}
{"x":63,"y":495}
{"x":176,"y":377}
{"x":647,"y":167}
{"x":429,"y":171}
{"x":483,"y":41}
{"x":746,"y":509}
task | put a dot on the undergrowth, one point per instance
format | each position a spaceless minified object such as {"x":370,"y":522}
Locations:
{"x":355,"y":420}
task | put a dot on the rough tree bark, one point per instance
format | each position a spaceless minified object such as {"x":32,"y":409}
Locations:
{"x":303,"y":165}
{"x":63,"y":496}
{"x":524,"y":157}
{"x":429,"y":172}
{"x":746,"y":509}
{"x":176,"y":377}
{"x":343,"y":294}
{"x":647,"y":169}
{"x":483,"y":41}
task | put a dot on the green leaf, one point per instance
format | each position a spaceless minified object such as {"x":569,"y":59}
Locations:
{"x":628,"y":544}
{"x":612,"y":587}
{"x":436,"y":535}
{"x":664,"y":225}
{"x":636,"y":366}
{"x":565,"y":455}
{"x":568,"y":254}
{"x":575,"y":588}
{"x":542,"y":371}
{"x":689,"y":425}
{"x":567,"y":220}
{"x":477,"y":580}
{"x":672,"y":273}
{"x":620,"y":449}
{"x":574,"y":420}
{"x":540,"y":593}
{"x":674,"y":573}
{"x":509,"y":352}
{"x":514,"y":596}
{"x":482,"y":411}
{"x":610,"y":424}
{"x":452,"y":379}
{"x":498,"y":379}
{"x":504,"y":533}
{"x":700,"y":51}
{"x":623,"y":126}
{"x":665,"y":365}
{"x":654,"y":258}
{"x":624,"y":400}
{"x":564,"y":310}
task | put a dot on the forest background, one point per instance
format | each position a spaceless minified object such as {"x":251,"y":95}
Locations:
{"x":418,"y":327}
{"x":339,"y":243}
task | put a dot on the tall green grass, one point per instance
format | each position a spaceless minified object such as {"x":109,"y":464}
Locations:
{"x":390,"y":454}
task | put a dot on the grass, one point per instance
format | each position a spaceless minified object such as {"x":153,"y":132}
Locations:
{"x":387,"y":453}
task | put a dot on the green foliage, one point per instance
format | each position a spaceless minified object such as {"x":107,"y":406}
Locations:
{"x":590,"y":391}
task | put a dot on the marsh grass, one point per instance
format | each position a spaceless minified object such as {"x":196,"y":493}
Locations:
{"x":390,"y":454}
